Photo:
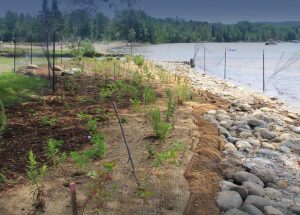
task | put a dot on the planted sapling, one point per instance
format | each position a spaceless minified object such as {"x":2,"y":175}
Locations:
{"x":53,"y":153}
{"x":37,"y":176}
{"x":160,"y":127}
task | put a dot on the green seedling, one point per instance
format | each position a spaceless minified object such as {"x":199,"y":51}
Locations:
{"x":49,"y":121}
{"x":171,"y":106}
{"x":83,"y":116}
{"x":183,"y":93}
{"x":53,"y":153}
{"x":171,"y":155}
{"x":37,"y":176}
{"x":149,"y":96}
{"x":92,"y":126}
{"x":150,"y":150}
{"x":80,"y":159}
{"x":160,"y":127}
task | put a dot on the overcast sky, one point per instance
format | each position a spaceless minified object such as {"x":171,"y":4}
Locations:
{"x":226,"y":11}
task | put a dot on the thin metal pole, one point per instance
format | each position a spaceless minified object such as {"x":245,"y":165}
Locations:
{"x":264,"y":86}
{"x":61,"y":49}
{"x":204,"y":60}
{"x":225,"y":65}
{"x":53,"y":67}
{"x":31,"y":49}
{"x":15,"y":52}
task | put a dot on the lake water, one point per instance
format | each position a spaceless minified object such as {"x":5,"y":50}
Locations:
{"x":244,"y":64}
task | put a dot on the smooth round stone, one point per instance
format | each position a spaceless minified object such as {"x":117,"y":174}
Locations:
{"x":226,"y":123}
{"x":241,"y":190}
{"x":272,"y":193}
{"x":242,"y":145}
{"x":229,"y":199}
{"x":222,"y":117}
{"x":233,"y":139}
{"x":229,"y":147}
{"x":295,"y":209}
{"x":295,"y":129}
{"x":263,"y":173}
{"x":266,"y":134}
{"x":257,"y":201}
{"x":269,"y":210}
{"x":227,"y":185}
{"x":245,"y":107}
{"x":268,"y":145}
{"x":281,"y":184}
{"x":256,"y":123}
{"x":235,"y":211}
{"x":212,"y":112}
{"x":253,"y":188}
{"x":284,"y":149}
{"x":245,"y":134}
{"x":268,"y":152}
{"x":242,"y":176}
{"x":294,"y":190}
{"x":253,"y":142}
{"x":251,"y":210}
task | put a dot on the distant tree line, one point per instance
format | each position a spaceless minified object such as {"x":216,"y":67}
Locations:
{"x":133,"y":25}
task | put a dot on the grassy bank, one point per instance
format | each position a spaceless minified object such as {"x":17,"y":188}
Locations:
{"x":16,"y":88}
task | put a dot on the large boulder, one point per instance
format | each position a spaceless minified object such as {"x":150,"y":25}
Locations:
{"x":256,"y":123}
{"x":58,"y":68}
{"x":229,"y":199}
{"x":266,"y":134}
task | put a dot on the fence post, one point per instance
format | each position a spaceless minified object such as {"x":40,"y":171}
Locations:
{"x":53,"y":66}
{"x":73,"y":198}
{"x":225,"y":65}
{"x":15,"y":47}
{"x":31,"y":49}
{"x":204,"y":60}
{"x":264,"y":86}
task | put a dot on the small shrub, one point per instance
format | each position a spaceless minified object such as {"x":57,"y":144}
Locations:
{"x":149,"y":96}
{"x":183,"y":93}
{"x":37,"y":176}
{"x":124,"y":120}
{"x":3,"y":179}
{"x":53,"y":153}
{"x":160,"y":127}
{"x":83,"y":116}
{"x":80,"y":159}
{"x":139,"y":60}
{"x":49,"y":121}
{"x":150,"y":151}
{"x":136,"y":103}
{"x":99,"y":147}
{"x":92,"y":126}
{"x":171,"y":106}
{"x":171,"y":155}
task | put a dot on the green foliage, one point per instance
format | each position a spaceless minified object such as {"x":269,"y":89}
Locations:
{"x":83,"y":116}
{"x":80,"y":159}
{"x":92,"y":125}
{"x":109,"y":166}
{"x":3,"y":179}
{"x":150,"y":150}
{"x":160,"y":127}
{"x":183,"y":93}
{"x":53,"y":153}
{"x":37,"y":176}
{"x":171,"y":155}
{"x":99,"y":147}
{"x":171,"y":106}
{"x":88,"y":48}
{"x":124,"y":120}
{"x":136,"y":103}
{"x":139,"y":60}
{"x":149,"y":96}
{"x":108,"y":90}
{"x":49,"y":121}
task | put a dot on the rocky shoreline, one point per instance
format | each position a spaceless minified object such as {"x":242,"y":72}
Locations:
{"x":261,"y":148}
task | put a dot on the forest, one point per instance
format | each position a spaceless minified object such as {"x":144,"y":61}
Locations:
{"x":136,"y":25}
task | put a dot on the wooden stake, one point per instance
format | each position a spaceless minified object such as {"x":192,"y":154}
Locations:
{"x":73,"y":198}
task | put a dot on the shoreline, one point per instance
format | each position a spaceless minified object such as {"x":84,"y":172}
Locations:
{"x":261,"y":146}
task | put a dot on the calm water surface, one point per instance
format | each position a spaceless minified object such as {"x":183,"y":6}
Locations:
{"x":244,"y":64}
